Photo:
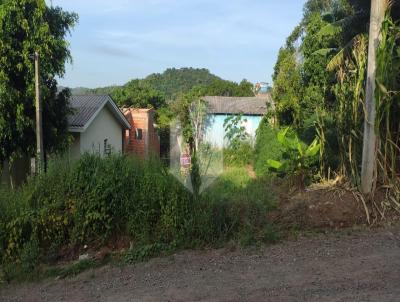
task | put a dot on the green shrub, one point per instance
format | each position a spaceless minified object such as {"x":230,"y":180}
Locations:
{"x":30,"y":255}
{"x":99,"y":193}
{"x":94,"y":199}
{"x":239,"y":150}
{"x":145,"y":252}
{"x":236,"y":204}
{"x":241,"y":156}
{"x":299,"y":159}
{"x":267,"y":147}
{"x":325,"y":127}
{"x":90,"y":200}
{"x":25,"y":266}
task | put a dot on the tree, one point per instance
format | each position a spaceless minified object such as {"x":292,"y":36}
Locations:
{"x":27,"y":26}
{"x":226,"y":88}
{"x":174,"y":81}
{"x":316,"y":6}
{"x":287,"y":89}
{"x":235,"y":132}
{"x":332,"y":63}
{"x":139,"y":94}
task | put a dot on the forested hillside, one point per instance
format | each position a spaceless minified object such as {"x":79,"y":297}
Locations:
{"x":158,"y":88}
{"x":173,"y":81}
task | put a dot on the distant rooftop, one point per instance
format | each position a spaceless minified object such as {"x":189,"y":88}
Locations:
{"x":236,"y":105}
{"x":86,"y":107}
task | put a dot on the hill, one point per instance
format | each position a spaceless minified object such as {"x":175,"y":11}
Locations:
{"x":169,"y":83}
{"x":158,"y":88}
{"x":173,"y":81}
{"x":88,"y":91}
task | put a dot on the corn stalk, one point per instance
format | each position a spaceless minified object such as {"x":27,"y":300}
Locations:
{"x":388,"y":105}
{"x":350,"y":66}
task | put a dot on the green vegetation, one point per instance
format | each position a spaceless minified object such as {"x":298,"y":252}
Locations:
{"x":239,"y":150}
{"x":318,"y":90}
{"x":26,"y":27}
{"x":319,"y":84}
{"x":93,"y":200}
{"x":235,"y":132}
{"x":298,"y":158}
{"x":225,"y":88}
{"x":170,"y":85}
{"x":156,"y":90}
{"x":238,"y":205}
{"x":176,"y":81}
{"x":266,"y":147}
{"x":170,"y":94}
{"x":139,"y":94}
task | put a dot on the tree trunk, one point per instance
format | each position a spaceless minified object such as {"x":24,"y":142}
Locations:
{"x":369,"y":156}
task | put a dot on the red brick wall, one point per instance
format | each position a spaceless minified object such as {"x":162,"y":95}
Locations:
{"x":154,"y":139}
{"x":141,"y":119}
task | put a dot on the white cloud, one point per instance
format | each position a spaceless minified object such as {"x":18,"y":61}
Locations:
{"x":103,"y":7}
{"x":112,"y":51}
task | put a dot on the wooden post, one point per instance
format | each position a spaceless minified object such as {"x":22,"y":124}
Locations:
{"x":39,"y":129}
{"x":369,"y":156}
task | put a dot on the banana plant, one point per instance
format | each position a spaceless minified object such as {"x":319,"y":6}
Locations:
{"x":298,"y":156}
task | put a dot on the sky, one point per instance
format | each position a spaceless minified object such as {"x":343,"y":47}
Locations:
{"x":118,"y":40}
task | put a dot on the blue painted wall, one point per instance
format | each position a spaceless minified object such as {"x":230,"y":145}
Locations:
{"x":215,"y":132}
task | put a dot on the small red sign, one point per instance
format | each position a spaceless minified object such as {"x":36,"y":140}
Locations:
{"x":185,"y":160}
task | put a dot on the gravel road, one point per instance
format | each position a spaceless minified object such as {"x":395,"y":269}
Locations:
{"x":361,"y":266}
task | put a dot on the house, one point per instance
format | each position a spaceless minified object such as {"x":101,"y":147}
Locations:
{"x":262,"y":88}
{"x":97,"y":126}
{"x":142,"y":139}
{"x":220,"y":107}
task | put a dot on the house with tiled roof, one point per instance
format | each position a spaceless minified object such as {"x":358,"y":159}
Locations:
{"x":219,"y":108}
{"x":97,"y":126}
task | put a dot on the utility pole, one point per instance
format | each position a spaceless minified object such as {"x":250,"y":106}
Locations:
{"x":39,"y":129}
{"x":369,"y":155}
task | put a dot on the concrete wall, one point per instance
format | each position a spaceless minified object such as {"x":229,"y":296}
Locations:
{"x":104,"y":126}
{"x":75,"y":147}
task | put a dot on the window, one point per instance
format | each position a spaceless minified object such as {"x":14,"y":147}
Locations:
{"x":138,"y":134}
{"x":107,"y":147}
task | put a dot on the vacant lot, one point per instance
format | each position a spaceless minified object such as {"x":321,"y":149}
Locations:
{"x":361,"y":266}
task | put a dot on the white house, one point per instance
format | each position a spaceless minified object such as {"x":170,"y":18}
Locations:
{"x":97,"y":125}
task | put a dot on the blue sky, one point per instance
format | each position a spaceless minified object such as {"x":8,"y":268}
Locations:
{"x":119,"y":40}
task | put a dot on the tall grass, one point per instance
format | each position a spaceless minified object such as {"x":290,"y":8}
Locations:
{"x":348,"y":113}
{"x":388,"y":100}
{"x":267,"y":147}
{"x":237,"y":205}
{"x":93,"y":200}
{"x":350,"y":66}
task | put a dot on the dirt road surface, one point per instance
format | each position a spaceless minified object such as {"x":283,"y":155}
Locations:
{"x":362,"y":266}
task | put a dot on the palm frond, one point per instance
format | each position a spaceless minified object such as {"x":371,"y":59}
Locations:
{"x":340,"y":57}
{"x":324,"y":51}
{"x":329,"y":29}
